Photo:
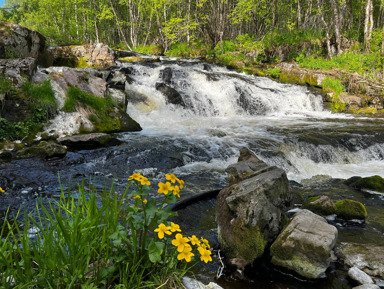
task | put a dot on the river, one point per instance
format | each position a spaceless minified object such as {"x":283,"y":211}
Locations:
{"x":219,"y":112}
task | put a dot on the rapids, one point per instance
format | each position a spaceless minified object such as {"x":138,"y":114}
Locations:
{"x":219,"y":112}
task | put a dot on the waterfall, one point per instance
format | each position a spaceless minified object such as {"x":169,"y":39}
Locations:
{"x":217,"y":111}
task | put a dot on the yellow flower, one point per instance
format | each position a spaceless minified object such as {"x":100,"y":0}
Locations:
{"x":180,"y":242}
{"x":1,"y":190}
{"x":205,"y":255}
{"x":161,"y":229}
{"x":171,"y":177}
{"x":175,"y":227}
{"x":137,"y":197}
{"x":136,"y":177}
{"x":195,"y":240}
{"x":186,"y":254}
{"x":144,"y":181}
{"x":164,"y":188}
{"x":181,"y":183}
{"x":176,"y":191}
{"x":205,"y":243}
{"x":145,"y":201}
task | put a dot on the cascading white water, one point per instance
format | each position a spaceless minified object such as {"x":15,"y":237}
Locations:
{"x":225,"y":110}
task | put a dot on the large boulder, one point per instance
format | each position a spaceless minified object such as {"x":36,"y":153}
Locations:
{"x":350,"y":209}
{"x":171,"y":95}
{"x":96,"y":55}
{"x":304,"y":246}
{"x":19,"y":42}
{"x":87,"y":141}
{"x":250,"y":213}
{"x":374,"y":183}
{"x":18,"y":70}
{"x":366,"y":257}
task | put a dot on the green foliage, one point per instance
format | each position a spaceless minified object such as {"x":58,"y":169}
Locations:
{"x":43,"y":105}
{"x":5,"y":84}
{"x":149,"y":49}
{"x":333,"y":85}
{"x":294,"y":37}
{"x":77,"y":96}
{"x":95,"y":240}
{"x":274,"y":72}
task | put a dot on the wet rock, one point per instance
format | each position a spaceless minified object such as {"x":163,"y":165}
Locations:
{"x":250,"y":212}
{"x":190,"y":283}
{"x":349,"y":209}
{"x":43,"y":150}
{"x":15,"y":108}
{"x":367,"y":286}
{"x":17,"y":41}
{"x":166,"y":75}
{"x":360,"y":276}
{"x":366,"y":257}
{"x":117,"y":80}
{"x":321,"y":205}
{"x":126,"y":123}
{"x":88,"y":141}
{"x":374,"y":183}
{"x":118,"y":96}
{"x":18,"y":70}
{"x":171,"y":94}
{"x":305,"y":245}
{"x":66,"y":124}
{"x":97,"y":54}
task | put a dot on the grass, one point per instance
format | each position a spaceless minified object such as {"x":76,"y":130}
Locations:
{"x":335,"y":87}
{"x":42,"y":104}
{"x":90,"y":239}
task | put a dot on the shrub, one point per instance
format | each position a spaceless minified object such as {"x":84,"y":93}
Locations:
{"x":87,"y":239}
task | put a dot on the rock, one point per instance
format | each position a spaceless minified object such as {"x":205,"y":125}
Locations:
{"x":374,"y":183}
{"x":125,"y":121}
{"x":117,"y":80}
{"x":367,"y":286}
{"x":62,"y":81}
{"x":248,"y":165}
{"x":43,"y":150}
{"x":172,"y":95}
{"x":322,"y":205}
{"x":249,"y":213}
{"x":366,"y":257}
{"x":97,"y":54}
{"x":66,"y":124}
{"x":166,"y":75}
{"x":190,"y":283}
{"x":118,"y":96}
{"x":87,"y":141}
{"x":349,"y":209}
{"x":15,"y":108}
{"x":360,"y":276}
{"x":17,"y":41}
{"x":305,"y":245}
{"x":18,"y":70}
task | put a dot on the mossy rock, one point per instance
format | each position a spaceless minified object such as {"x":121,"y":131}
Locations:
{"x":349,"y":209}
{"x":375,"y":183}
{"x":321,"y":205}
{"x":43,"y":150}
{"x":367,"y":110}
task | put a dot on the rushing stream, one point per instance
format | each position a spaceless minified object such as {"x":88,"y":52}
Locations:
{"x":220,"y":112}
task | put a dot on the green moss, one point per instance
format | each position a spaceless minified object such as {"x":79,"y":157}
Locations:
{"x":76,"y":96}
{"x":367,"y":110}
{"x":43,"y":149}
{"x":274,"y":72}
{"x":310,"y":200}
{"x":375,"y":183}
{"x":350,"y":209}
{"x":81,"y":62}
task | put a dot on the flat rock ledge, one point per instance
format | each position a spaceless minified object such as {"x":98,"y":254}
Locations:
{"x":305,"y":245}
{"x":88,"y":141}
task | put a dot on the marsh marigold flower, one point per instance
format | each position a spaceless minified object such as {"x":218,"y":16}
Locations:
{"x":205,"y":255}
{"x":135,"y":176}
{"x":1,"y":190}
{"x":144,"y":181}
{"x":205,"y":243}
{"x":171,"y":177}
{"x":181,"y":183}
{"x":176,"y":191}
{"x":164,"y":188}
{"x":175,"y":227}
{"x":195,"y":240}
{"x":186,"y":254}
{"x":180,"y":242}
{"x":163,"y":229}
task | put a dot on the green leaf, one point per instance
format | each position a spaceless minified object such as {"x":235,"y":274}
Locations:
{"x":155,"y":249}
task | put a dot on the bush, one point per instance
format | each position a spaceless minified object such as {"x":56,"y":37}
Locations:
{"x":86,"y":239}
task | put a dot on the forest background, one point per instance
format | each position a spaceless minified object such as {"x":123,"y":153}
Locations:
{"x":344,"y":34}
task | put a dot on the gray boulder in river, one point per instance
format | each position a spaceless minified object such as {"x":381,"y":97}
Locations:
{"x":250,"y":212}
{"x":304,"y":246}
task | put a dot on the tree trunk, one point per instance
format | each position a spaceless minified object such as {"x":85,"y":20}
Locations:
{"x":336,"y":12}
{"x":368,"y":25}
{"x":299,"y":26}
{"x":326,"y":27}
{"x":118,"y":26}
